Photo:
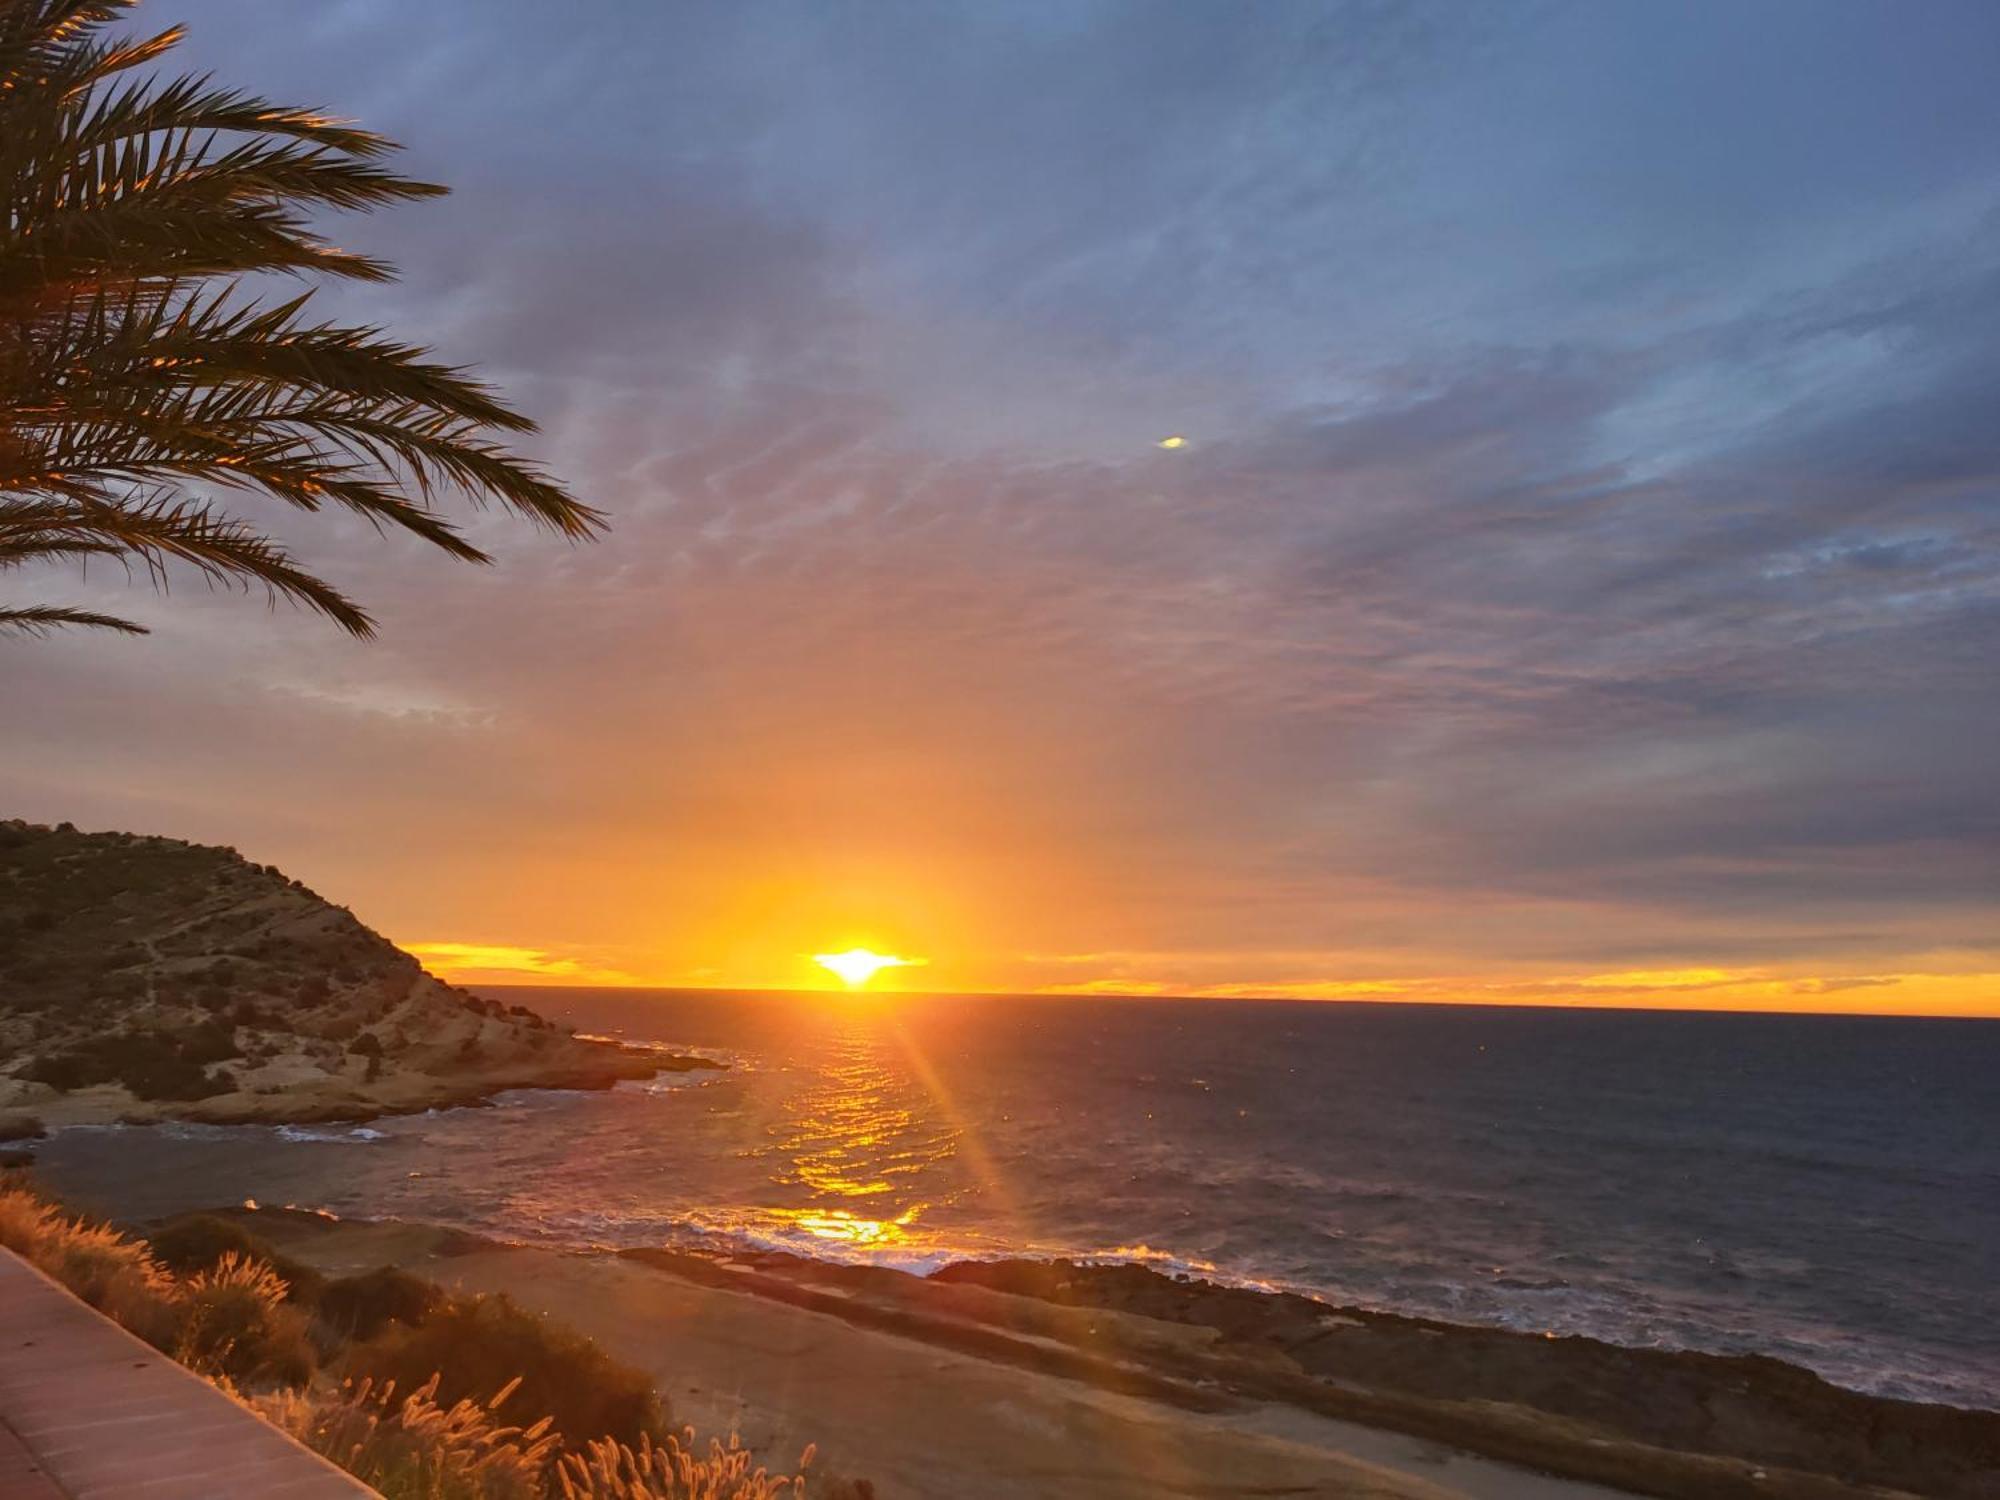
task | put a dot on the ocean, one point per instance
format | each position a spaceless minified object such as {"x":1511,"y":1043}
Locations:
{"x":1825,"y":1190}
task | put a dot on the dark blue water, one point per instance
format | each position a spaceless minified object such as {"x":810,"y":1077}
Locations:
{"x":1822,"y":1189}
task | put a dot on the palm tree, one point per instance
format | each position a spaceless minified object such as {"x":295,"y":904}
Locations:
{"x":136,"y":376}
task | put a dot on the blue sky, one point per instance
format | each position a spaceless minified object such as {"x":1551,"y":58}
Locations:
{"x":1585,"y":556}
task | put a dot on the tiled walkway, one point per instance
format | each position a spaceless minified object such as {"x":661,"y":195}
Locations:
{"x":88,"y":1412}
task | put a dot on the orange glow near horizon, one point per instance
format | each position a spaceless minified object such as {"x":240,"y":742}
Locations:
{"x":1940,"y":990}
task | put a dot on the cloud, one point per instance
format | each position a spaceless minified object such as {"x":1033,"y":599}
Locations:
{"x":472,"y":962}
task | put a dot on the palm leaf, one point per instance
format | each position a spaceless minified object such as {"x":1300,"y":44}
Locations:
{"x":133,"y":376}
{"x":40,"y":619}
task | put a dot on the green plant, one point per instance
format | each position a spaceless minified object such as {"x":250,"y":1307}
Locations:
{"x":476,"y":1345}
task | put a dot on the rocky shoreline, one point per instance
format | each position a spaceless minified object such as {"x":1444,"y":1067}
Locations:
{"x":347,"y":1102}
{"x":1667,"y":1422}
{"x":1676,"y":1424}
{"x":1680,"y":1425}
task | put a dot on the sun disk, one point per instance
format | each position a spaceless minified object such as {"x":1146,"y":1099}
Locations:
{"x":858,"y":965}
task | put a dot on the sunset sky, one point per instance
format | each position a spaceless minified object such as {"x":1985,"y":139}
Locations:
{"x":1579,"y":582}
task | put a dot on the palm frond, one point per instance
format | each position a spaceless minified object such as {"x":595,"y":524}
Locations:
{"x":132,"y":376}
{"x":40,"y":619}
{"x":194,"y":103}
{"x":159,"y":529}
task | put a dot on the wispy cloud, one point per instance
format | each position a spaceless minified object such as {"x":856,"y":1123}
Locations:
{"x":495,"y":961}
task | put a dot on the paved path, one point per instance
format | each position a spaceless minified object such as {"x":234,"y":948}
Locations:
{"x":88,"y":1412}
{"x":22,"y":1476}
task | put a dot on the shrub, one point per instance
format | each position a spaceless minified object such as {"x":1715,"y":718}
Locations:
{"x":235,"y":1324}
{"x":153,"y":1065}
{"x":197,"y":1242}
{"x":359,"y":1307}
{"x":476,"y":1345}
{"x":415,"y":1449}
{"x":61,"y":1071}
{"x":210,"y":1042}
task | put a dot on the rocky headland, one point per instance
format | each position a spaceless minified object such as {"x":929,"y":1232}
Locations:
{"x":145,"y":979}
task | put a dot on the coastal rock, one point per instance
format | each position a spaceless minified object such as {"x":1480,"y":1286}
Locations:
{"x":1747,"y":1408}
{"x":148,"y":978}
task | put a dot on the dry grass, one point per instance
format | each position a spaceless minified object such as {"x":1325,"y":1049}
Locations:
{"x":414,"y":1449}
{"x":674,"y":1471}
{"x":236,"y":1323}
{"x":232,"y":1323}
{"x":104,"y":1268}
{"x":24,"y":1220}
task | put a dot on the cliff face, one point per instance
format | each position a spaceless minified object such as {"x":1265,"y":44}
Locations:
{"x":146,"y":977}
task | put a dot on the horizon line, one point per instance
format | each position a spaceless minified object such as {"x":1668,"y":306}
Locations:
{"x":1382,"y":1000}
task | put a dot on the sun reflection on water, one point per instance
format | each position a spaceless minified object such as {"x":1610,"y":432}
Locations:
{"x":838,"y":1226}
{"x":860,"y":1128}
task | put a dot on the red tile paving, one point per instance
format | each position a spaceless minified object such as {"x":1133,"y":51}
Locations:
{"x":88,"y":1412}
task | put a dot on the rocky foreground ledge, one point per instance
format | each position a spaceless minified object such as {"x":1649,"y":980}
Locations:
{"x":146,"y":979}
{"x":1658,"y":1421}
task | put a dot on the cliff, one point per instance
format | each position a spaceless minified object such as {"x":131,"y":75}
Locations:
{"x":147,"y":978}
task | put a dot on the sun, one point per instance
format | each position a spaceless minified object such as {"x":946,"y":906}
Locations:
{"x":858,"y":965}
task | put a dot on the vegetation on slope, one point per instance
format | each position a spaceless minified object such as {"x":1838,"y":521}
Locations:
{"x":186,"y":978}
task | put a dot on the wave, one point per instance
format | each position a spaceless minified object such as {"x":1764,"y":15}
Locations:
{"x":665,"y":1083}
{"x":354,"y":1134}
